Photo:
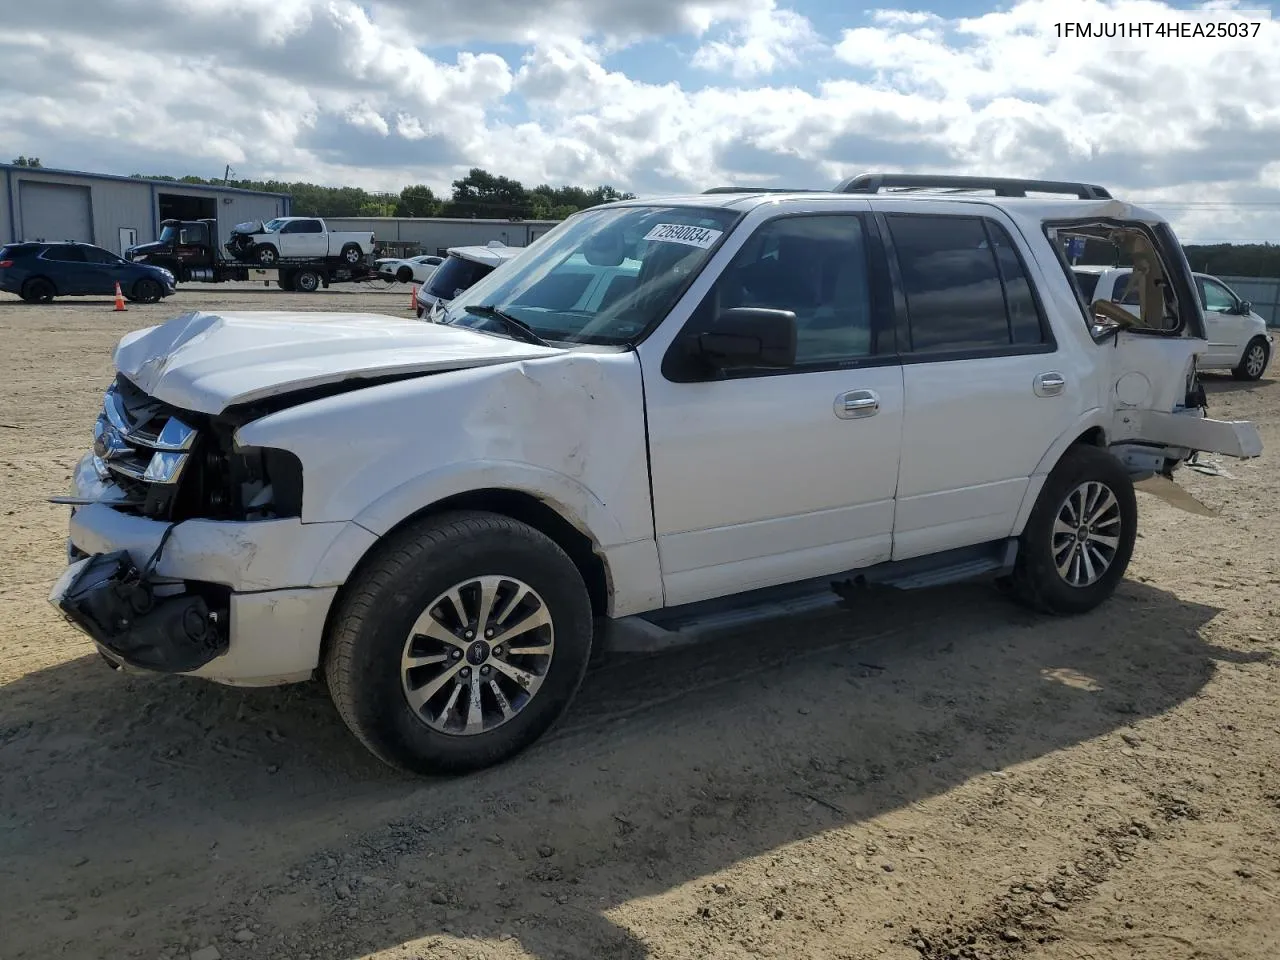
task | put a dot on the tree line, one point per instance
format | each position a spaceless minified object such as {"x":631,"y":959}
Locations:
{"x":1217,"y":259}
{"x":479,"y":194}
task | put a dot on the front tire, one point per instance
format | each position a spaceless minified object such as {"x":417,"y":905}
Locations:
{"x":147,"y":290}
{"x":1079,"y":538}
{"x":430,"y":688}
{"x":1253,"y":362}
{"x":266,"y":255}
{"x":404,"y":274}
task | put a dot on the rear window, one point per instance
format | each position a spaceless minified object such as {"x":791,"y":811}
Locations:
{"x":12,"y":251}
{"x":454,"y":276}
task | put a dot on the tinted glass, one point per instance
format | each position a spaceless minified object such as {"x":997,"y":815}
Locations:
{"x":310,"y":226}
{"x":1129,"y":291}
{"x":98,"y":255}
{"x":954,"y":296}
{"x":815,"y":267}
{"x":454,"y":276}
{"x":14,"y":250}
{"x":1024,"y":315}
{"x":1087,"y":282}
{"x":1217,"y":298}
{"x":65,"y":253}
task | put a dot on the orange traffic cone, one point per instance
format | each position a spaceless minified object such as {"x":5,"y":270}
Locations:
{"x":120,"y":307}
{"x":413,"y":297}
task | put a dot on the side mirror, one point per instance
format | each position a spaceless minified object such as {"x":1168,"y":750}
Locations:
{"x":750,"y":337}
{"x":1246,"y":308}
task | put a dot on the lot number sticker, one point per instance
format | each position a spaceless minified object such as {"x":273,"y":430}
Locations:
{"x":702,"y":237}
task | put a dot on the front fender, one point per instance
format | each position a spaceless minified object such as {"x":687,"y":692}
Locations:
{"x":569,"y":498}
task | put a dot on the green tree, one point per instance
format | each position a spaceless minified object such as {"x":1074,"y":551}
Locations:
{"x":417,"y":200}
{"x":27,"y":162}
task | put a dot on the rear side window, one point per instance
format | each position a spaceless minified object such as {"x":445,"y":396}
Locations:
{"x":65,"y":253}
{"x":455,"y":275}
{"x":965,"y":285}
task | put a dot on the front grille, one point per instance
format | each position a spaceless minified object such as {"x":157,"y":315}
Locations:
{"x":142,"y":445}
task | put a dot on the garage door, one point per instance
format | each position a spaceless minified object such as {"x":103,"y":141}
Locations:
{"x":54,"y":211}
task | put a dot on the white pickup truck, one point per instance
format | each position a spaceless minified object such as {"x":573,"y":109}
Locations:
{"x":297,"y":238}
{"x":660,"y":419}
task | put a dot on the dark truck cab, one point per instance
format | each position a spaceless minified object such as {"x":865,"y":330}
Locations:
{"x":188,"y":249}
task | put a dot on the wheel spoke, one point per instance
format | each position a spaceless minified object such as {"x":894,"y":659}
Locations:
{"x":1111,"y":543}
{"x":442,"y":718}
{"x":1106,"y":502}
{"x":1067,"y":564}
{"x":475,"y":713}
{"x":414,"y":661}
{"x":503,"y":703}
{"x":526,"y":680}
{"x":542,"y":650}
{"x":1062,"y":528}
{"x":514,"y":601}
{"x":488,"y":593}
{"x":428,"y":626}
{"x":1088,"y":565}
{"x":537,"y":618}
{"x":419,"y":697}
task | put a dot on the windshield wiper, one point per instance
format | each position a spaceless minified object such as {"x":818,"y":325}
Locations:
{"x":514,"y":324}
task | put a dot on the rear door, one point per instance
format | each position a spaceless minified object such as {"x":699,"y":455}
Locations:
{"x":67,"y":268}
{"x":987,"y":389}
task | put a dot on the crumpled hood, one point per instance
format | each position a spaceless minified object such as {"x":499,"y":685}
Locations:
{"x":207,"y":362}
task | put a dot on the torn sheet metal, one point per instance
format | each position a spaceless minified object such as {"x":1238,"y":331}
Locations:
{"x":1175,"y":496}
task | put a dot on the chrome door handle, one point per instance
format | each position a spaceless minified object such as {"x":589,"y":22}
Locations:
{"x":857,"y":404}
{"x":1049,"y":384}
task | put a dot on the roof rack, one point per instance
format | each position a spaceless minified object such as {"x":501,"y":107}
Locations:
{"x":762,"y":190}
{"x":1003,"y":186}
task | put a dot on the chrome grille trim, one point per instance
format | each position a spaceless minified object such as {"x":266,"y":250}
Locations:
{"x":133,"y":450}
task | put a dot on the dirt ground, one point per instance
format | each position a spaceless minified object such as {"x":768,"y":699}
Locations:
{"x":931,"y":775}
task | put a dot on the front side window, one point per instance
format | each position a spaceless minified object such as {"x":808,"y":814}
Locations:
{"x":98,"y":255}
{"x":1217,"y":298}
{"x":813,"y":266}
{"x":964,"y":283}
{"x":604,"y":275}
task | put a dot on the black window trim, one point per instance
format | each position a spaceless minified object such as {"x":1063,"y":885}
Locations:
{"x":909,"y":356}
{"x":675,"y":368}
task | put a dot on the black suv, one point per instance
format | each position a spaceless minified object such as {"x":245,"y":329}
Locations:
{"x":38,"y":271}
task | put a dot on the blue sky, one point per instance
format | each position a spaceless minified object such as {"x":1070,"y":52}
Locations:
{"x":653,"y":95}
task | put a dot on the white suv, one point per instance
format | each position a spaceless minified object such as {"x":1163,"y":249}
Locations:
{"x":773,"y":396}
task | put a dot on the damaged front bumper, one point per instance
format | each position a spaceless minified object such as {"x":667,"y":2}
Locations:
{"x":241,"y":603}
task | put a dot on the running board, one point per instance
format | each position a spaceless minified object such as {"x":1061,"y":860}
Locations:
{"x":690,"y":623}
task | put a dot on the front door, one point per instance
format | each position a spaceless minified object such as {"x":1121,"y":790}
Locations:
{"x":1224,"y":325}
{"x":767,"y":477}
{"x":303,"y":238}
{"x":987,"y":391}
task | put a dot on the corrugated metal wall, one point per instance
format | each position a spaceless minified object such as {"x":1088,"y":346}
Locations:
{"x":114,"y":204}
{"x":1264,"y":292}
{"x":434,"y":234}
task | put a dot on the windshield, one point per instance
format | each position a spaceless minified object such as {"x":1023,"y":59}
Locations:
{"x":603,"y":276}
{"x":271,"y":226}
{"x":169,"y":234}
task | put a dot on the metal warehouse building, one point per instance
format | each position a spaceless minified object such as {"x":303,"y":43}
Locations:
{"x":410,"y":236}
{"x":116,"y":212}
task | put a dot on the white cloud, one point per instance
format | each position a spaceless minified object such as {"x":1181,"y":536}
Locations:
{"x":341,"y":92}
{"x":766,"y":40}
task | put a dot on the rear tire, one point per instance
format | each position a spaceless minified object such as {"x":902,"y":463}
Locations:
{"x":396,"y":611}
{"x":1253,"y":362}
{"x":404,"y":274}
{"x":1079,"y":538}
{"x":38,"y":290}
{"x":306,"y":281}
